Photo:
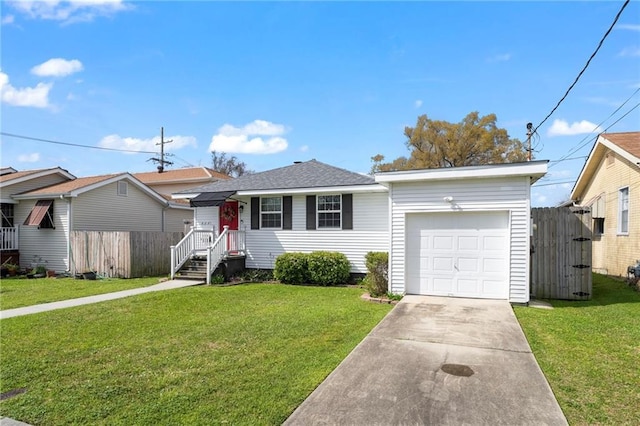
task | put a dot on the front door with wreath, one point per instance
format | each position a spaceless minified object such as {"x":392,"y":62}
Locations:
{"x":229,"y":215}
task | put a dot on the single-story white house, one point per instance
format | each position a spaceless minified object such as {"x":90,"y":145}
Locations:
{"x":460,"y":231}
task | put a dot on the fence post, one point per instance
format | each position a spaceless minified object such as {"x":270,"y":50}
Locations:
{"x":209,"y":264}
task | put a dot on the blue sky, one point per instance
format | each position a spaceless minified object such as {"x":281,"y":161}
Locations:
{"x":275,"y":82}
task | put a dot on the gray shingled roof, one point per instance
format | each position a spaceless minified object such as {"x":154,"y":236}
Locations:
{"x":309,"y":174}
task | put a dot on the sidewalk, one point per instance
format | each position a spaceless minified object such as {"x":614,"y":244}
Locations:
{"x":35,"y":309}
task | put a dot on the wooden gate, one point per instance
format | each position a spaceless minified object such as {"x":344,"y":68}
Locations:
{"x":561,"y":253}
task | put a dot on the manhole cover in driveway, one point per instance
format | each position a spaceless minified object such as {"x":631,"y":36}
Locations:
{"x":457,"y":370}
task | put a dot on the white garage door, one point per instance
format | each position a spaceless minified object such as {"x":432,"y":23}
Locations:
{"x":458,"y":254}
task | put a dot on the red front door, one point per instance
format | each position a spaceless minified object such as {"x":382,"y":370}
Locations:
{"x":229,"y":215}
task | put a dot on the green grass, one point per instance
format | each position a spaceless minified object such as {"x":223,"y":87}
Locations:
{"x":247,"y":354}
{"x":590,"y":353}
{"x":18,"y":292}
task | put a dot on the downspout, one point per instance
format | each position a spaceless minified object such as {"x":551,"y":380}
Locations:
{"x":69,"y":230}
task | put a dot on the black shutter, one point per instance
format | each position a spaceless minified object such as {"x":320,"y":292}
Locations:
{"x":255,"y":212}
{"x":347,"y":211}
{"x":311,"y":212}
{"x":287,"y":212}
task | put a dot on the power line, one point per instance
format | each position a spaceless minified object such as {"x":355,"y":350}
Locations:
{"x":586,"y":139}
{"x":585,"y":66}
{"x":74,"y":144}
{"x":627,"y":113}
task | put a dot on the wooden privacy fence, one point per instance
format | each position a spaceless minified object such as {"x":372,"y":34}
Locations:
{"x":124,"y":254}
{"x":561,"y":258}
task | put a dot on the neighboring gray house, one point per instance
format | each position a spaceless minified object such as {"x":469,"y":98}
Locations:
{"x":451,"y":232}
{"x":52,"y":203}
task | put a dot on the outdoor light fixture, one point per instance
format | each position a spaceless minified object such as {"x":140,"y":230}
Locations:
{"x":448,"y":199}
{"x":241,"y":208}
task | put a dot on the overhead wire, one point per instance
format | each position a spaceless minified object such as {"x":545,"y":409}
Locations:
{"x":13,"y":135}
{"x":585,"y":66}
{"x":584,"y":141}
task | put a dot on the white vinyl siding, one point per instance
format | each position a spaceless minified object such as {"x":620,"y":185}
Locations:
{"x":469,"y":195}
{"x":103,"y":210}
{"x":207,"y":218}
{"x":174,"y":220}
{"x":369,"y":233}
{"x":50,"y":245}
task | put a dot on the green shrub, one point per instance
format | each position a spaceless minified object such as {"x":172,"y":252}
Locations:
{"x":328,"y":268}
{"x":292,"y":268}
{"x":378,"y":272}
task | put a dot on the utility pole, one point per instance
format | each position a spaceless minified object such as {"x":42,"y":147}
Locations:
{"x":529,"y":133}
{"x":161,"y":161}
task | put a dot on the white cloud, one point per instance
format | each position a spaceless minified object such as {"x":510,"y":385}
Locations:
{"x":304,"y":148}
{"x":499,"y":58}
{"x":29,"y":158}
{"x":418,"y":103}
{"x":69,"y":11}
{"x":37,"y":97}
{"x":631,"y":27}
{"x":150,"y":145}
{"x":248,"y":140}
{"x":630,"y":51}
{"x":57,"y":67}
{"x":9,"y":19}
{"x":563,"y":128}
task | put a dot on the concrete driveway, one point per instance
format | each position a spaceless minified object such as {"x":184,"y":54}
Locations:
{"x":437,"y":360}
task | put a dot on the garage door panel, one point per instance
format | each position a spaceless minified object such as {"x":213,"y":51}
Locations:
{"x":494,"y":242}
{"x":468,"y":264}
{"x":442,"y":286}
{"x":458,"y":254}
{"x":467,"y":286}
{"x":494,"y":266}
{"x":442,"y":264}
{"x":443,"y":242}
{"x":468,"y":243}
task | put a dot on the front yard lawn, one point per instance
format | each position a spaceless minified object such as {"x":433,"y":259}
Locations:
{"x":590,"y":353}
{"x":247,"y":354}
{"x":19,"y":292}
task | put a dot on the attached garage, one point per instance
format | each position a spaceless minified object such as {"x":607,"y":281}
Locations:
{"x":458,"y":254}
{"x":461,"y":232}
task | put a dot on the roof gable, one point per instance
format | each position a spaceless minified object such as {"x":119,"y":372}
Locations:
{"x":309,"y":174}
{"x":25,"y":175}
{"x":626,"y":144}
{"x":78,"y":186}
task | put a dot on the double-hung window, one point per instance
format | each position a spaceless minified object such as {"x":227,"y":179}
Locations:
{"x":329,"y":211}
{"x":623,"y":210}
{"x":271,"y":212}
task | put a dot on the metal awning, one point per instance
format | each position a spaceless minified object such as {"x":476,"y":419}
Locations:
{"x":211,"y":199}
{"x":38,"y":213}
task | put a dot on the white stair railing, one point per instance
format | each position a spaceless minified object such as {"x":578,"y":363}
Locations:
{"x":216,"y":252}
{"x":195,"y":240}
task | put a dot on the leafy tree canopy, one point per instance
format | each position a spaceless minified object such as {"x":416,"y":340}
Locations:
{"x":230,"y":166}
{"x":473,"y":141}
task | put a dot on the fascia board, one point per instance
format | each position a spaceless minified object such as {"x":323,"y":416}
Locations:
{"x":318,"y":190}
{"x":534,"y":169}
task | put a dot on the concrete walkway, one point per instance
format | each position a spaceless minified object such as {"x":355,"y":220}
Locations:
{"x":34,"y":309}
{"x":437,"y":360}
